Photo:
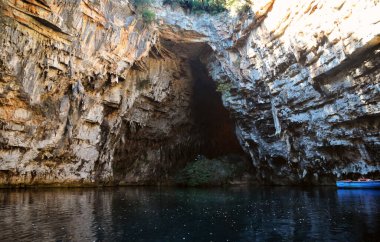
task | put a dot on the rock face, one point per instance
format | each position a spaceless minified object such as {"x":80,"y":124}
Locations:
{"x":69,"y":81}
{"x":302,"y":80}
{"x":90,"y":94}
{"x":307,"y":94}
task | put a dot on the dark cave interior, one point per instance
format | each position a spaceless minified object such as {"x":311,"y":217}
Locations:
{"x":212,"y":120}
{"x":211,"y":117}
{"x":149,"y":156}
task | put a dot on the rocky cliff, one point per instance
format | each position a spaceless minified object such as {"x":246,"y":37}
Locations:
{"x":91,"y":94}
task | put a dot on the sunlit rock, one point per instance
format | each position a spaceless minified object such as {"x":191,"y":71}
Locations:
{"x":89,"y":93}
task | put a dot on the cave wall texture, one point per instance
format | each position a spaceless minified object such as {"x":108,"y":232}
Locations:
{"x":89,"y":94}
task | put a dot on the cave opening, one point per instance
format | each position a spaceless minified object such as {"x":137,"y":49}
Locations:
{"x":212,"y":121}
{"x":211,"y":118}
{"x":190,"y":122}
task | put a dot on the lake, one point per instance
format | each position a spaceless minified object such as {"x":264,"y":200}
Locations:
{"x":180,"y":214}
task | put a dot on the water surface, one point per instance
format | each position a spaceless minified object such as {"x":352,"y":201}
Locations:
{"x":173,"y":214}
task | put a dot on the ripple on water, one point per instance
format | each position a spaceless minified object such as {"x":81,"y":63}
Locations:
{"x":153,"y":214}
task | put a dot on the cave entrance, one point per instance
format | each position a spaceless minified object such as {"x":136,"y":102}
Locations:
{"x":211,"y":119}
{"x":190,"y":121}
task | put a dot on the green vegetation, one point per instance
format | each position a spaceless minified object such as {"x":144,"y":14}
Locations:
{"x":142,"y":7}
{"x":224,"y":88}
{"x":200,"y":6}
{"x":148,"y":16}
{"x":193,"y":6}
{"x":209,"y":6}
{"x":211,"y":172}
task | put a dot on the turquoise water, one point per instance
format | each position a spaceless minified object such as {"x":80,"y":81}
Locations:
{"x":173,"y":214}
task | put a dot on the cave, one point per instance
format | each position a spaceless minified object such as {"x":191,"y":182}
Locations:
{"x":199,"y":124}
{"x":212,"y":120}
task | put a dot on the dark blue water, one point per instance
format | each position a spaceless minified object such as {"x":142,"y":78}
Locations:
{"x":171,"y":214}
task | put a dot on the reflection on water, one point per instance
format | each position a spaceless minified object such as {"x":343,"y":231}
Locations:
{"x":170,"y":214}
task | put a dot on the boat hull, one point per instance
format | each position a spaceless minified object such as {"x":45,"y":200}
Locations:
{"x":358,"y":184}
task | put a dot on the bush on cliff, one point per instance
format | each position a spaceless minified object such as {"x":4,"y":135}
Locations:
{"x":142,"y":7}
{"x":209,"y":6}
{"x":199,"y":6}
{"x":148,"y":16}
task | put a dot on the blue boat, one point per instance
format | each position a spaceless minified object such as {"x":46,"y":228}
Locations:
{"x":361,"y":183}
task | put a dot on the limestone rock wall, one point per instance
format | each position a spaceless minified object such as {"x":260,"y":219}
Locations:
{"x":302,"y":80}
{"x":87,"y":96}
{"x":88,"y":93}
{"x":308,"y":90}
